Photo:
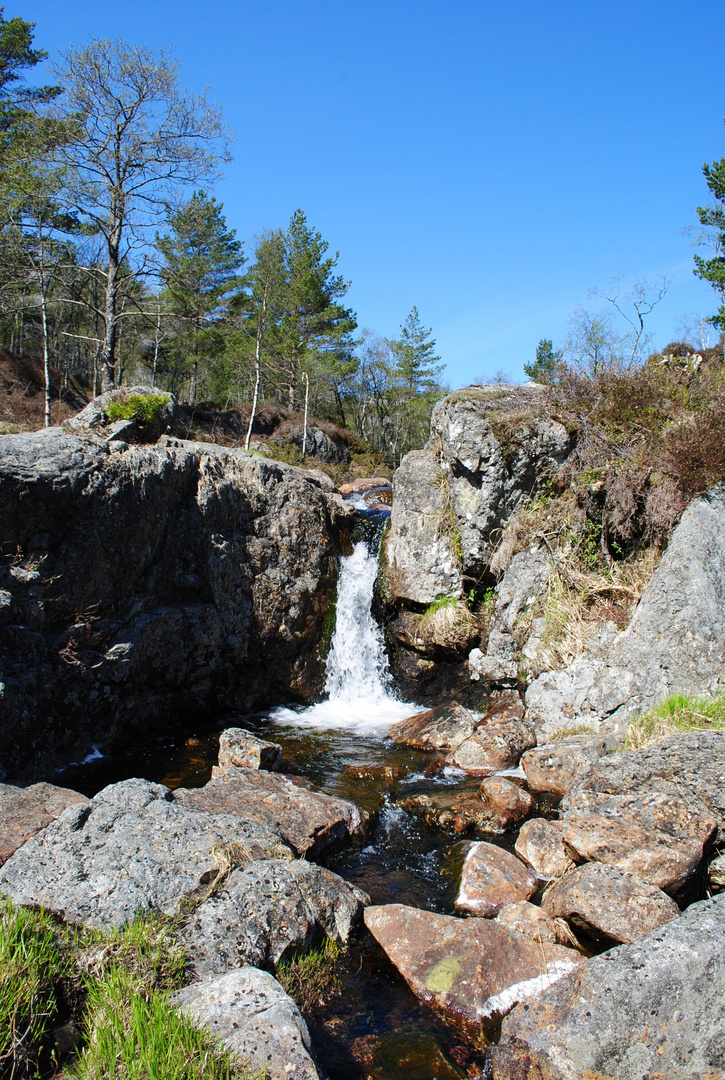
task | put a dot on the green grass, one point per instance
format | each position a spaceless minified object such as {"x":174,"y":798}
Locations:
{"x":311,"y":980}
{"x":677,"y":713}
{"x":438,"y":605}
{"x":143,"y":407}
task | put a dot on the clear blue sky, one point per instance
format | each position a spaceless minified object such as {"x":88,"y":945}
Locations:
{"x":489,"y":162}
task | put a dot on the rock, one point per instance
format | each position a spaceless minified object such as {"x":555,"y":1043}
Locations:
{"x":264,"y":911}
{"x":492,"y":878}
{"x":324,"y":445}
{"x":156,"y":583}
{"x":555,"y":767}
{"x":241,"y":749}
{"x":310,"y":822}
{"x":459,"y":810}
{"x":648,"y":1010}
{"x":442,"y":728}
{"x":716,"y":874}
{"x":131,"y":849}
{"x":656,"y":835}
{"x":604,"y":901}
{"x":363,"y":484}
{"x":470,"y":970}
{"x":540,"y":845}
{"x":675,"y":642}
{"x":510,"y":802}
{"x":421,"y":562}
{"x":448,"y":631}
{"x":25,"y":811}
{"x":94,"y":416}
{"x":526,"y":918}
{"x":497,"y":743}
{"x":499,"y":666}
{"x":255,"y":1020}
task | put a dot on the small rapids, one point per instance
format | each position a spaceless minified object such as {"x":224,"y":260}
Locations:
{"x":359,"y":688}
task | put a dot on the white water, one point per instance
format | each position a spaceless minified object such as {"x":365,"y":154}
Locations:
{"x":359,"y":689}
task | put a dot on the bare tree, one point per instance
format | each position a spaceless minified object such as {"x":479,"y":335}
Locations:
{"x":140,"y":138}
{"x":634,"y":304}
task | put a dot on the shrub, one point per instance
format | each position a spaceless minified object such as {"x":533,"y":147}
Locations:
{"x":142,"y":407}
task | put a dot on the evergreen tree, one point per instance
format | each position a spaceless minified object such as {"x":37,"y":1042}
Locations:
{"x":200,"y":272}
{"x":543,"y":368}
{"x":417,"y":363}
{"x":712,"y":219}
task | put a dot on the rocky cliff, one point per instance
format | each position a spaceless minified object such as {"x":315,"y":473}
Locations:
{"x":141,"y":583}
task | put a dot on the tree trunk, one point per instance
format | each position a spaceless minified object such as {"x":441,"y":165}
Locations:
{"x":305,"y":376}
{"x":257,"y":367}
{"x":46,"y":357}
{"x":108,"y":348}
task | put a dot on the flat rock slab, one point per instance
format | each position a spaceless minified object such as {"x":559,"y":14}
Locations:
{"x":25,"y":811}
{"x":541,"y":846}
{"x":130,"y":849}
{"x":264,"y":910}
{"x":647,"y":1011}
{"x":605,"y":901}
{"x":442,"y":728}
{"x":526,"y":918}
{"x":555,"y":767}
{"x":239,"y":748}
{"x":308,"y":821}
{"x":470,"y":970}
{"x":659,"y":836}
{"x":492,"y":878}
{"x":258,"y":1023}
{"x":497,"y":743}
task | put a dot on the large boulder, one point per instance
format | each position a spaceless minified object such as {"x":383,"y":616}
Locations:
{"x":675,"y":642}
{"x":153,"y":582}
{"x":492,"y":878}
{"x":646,"y":1011}
{"x":442,"y":728}
{"x":25,"y":811}
{"x":473,"y":971}
{"x":249,"y":1013}
{"x":555,"y":767}
{"x":497,"y":743}
{"x":489,"y":446}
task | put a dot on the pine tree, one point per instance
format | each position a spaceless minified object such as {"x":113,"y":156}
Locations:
{"x":418,"y":366}
{"x":712,"y":219}
{"x":543,"y":368}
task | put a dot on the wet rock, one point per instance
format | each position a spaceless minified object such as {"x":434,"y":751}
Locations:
{"x":526,"y":918}
{"x":656,"y":835}
{"x":363,"y":484}
{"x":308,"y":821}
{"x":498,"y":742}
{"x":471,"y":970}
{"x":404,"y":1055}
{"x":541,"y":846}
{"x":130,"y":849}
{"x":241,"y":749}
{"x":555,"y":767}
{"x":716,"y":874}
{"x":604,"y":901}
{"x":649,"y":1010}
{"x":675,"y":642}
{"x":442,"y":728}
{"x":25,"y":811}
{"x":385,"y":774}
{"x":265,"y":910}
{"x":510,"y":802}
{"x":492,"y":878}
{"x":459,"y":811}
{"x":255,"y":1020}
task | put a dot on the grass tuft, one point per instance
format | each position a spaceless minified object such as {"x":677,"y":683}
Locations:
{"x":143,"y":407}
{"x":312,"y":980}
{"x":677,"y":713}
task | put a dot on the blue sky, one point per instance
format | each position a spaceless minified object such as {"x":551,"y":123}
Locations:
{"x":489,"y":162}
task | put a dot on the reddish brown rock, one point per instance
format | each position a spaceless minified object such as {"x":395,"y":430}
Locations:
{"x":458,"y":811}
{"x":239,"y":748}
{"x":497,"y":743}
{"x":363,"y":484}
{"x":25,"y":811}
{"x":310,"y":822}
{"x":540,"y":845}
{"x":526,"y":918}
{"x":471,"y":970}
{"x":716,"y":874}
{"x":555,"y":767}
{"x":442,"y":728}
{"x":510,"y":802}
{"x":492,"y":878}
{"x":604,"y":901}
{"x":659,"y":836}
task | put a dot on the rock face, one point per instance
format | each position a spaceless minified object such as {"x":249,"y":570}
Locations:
{"x":555,"y":767}
{"x":152,"y":582}
{"x":25,"y":811}
{"x":492,"y":878}
{"x":674,"y":643}
{"x":497,"y":743}
{"x":309,"y":822}
{"x":265,"y":910}
{"x":644,"y":1011}
{"x":241,"y":749}
{"x":471,"y":970}
{"x":488,"y":447}
{"x":605,"y":901}
{"x":255,"y":1020}
{"x":442,"y":728}
{"x":541,"y":846}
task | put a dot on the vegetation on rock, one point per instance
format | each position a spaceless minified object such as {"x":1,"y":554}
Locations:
{"x":143,"y":407}
{"x":677,"y":713}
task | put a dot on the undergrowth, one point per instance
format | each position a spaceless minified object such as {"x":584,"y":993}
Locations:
{"x":143,"y":407}
{"x":677,"y":713}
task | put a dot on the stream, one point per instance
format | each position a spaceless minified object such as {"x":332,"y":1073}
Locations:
{"x":373,"y":1026}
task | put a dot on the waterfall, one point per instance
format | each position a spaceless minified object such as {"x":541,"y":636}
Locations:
{"x":358,"y":685}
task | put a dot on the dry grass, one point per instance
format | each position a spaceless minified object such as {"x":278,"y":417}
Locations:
{"x":448,"y":624}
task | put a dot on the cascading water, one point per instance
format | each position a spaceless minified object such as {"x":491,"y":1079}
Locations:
{"x":358,"y":684}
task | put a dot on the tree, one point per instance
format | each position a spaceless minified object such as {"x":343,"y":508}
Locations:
{"x":140,"y":139}
{"x":543,"y":368}
{"x":712,"y":221}
{"x":200,"y":271}
{"x":417,"y":363}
